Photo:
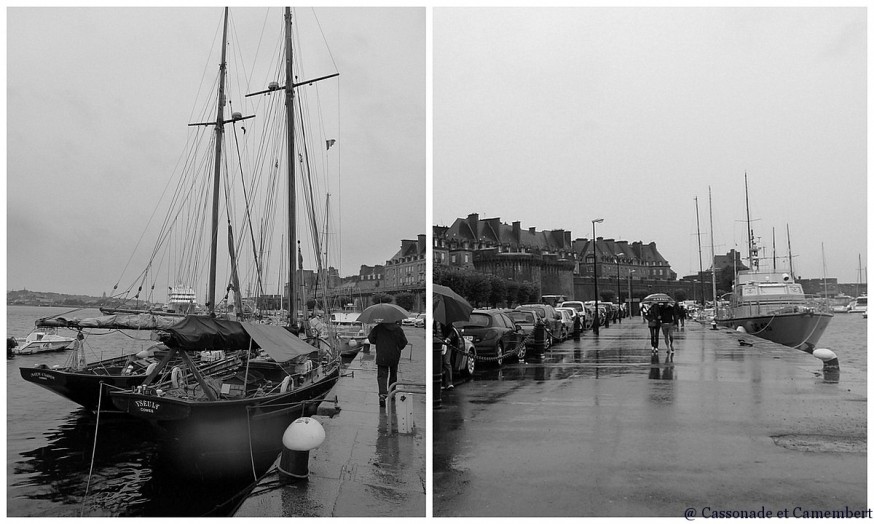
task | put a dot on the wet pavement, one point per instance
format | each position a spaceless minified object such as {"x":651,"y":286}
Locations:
{"x":365,"y":467}
{"x":599,"y":428}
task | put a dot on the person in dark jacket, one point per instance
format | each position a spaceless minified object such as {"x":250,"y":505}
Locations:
{"x":451,"y":342}
{"x":389,"y":340}
{"x":668,"y":320}
{"x":653,"y":321}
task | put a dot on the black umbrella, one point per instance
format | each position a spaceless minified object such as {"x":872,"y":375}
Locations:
{"x":449,"y":306}
{"x":657,"y":297}
{"x":383,"y":313}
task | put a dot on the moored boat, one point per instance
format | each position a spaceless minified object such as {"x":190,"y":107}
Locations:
{"x":42,"y":340}
{"x":229,"y":418}
{"x":859,"y":305}
{"x":771,"y":305}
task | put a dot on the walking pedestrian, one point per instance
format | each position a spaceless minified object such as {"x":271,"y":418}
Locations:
{"x":451,"y":341}
{"x":681,"y":315}
{"x":668,"y":319}
{"x":653,"y":321}
{"x":389,"y":340}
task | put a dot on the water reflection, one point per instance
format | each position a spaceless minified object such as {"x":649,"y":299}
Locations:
{"x":131,"y":476}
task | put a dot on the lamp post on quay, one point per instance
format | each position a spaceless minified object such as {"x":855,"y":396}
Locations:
{"x":630,"y":296}
{"x":618,"y":292}
{"x":595,"y":272}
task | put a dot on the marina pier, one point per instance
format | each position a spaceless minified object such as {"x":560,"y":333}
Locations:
{"x":366,"y":467}
{"x":598,"y":427}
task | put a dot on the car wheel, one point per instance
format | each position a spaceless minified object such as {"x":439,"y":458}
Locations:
{"x":520,"y":354}
{"x":471,"y":362}
{"x":499,"y":353}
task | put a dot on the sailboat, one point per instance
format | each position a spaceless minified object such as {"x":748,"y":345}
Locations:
{"x":770,"y":304}
{"x":238,"y":415}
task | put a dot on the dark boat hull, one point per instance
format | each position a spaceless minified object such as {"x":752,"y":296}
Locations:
{"x":797,"y":330}
{"x":224,"y":436}
{"x":82,"y":388}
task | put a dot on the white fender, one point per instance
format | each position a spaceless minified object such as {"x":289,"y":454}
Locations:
{"x":151,"y":368}
{"x":177,"y":376}
{"x":286,"y":385}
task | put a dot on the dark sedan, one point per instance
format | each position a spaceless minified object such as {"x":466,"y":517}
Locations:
{"x":493,"y":334}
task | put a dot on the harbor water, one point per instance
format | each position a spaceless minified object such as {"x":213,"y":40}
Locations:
{"x":49,"y":444}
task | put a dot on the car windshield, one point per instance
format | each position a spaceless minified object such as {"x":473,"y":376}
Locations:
{"x":522,"y":316}
{"x":476,"y":320}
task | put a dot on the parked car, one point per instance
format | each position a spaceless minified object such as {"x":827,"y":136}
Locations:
{"x":568,"y":315}
{"x":551,"y":318}
{"x":526,"y":320}
{"x":492,"y":333}
{"x":581,"y":309}
{"x":421,"y":318}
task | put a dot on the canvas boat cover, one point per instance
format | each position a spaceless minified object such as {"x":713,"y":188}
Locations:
{"x":121,"y":321}
{"x":197,"y":333}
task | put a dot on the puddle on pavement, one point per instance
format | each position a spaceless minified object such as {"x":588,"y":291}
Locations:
{"x":822,"y":443}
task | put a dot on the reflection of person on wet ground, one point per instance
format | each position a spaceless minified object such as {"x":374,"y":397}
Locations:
{"x":451,"y":339}
{"x":668,"y":318}
{"x":652,"y":321}
{"x":389,"y":340}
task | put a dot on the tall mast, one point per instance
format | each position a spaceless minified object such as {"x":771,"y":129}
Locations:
{"x":749,"y":230}
{"x":216,"y":187}
{"x":700,"y":263}
{"x":289,"y":115}
{"x":789,"y":240}
{"x":824,"y":274}
{"x":712,"y":257}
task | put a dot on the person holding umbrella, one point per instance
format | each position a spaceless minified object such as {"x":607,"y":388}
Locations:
{"x":389,"y":339}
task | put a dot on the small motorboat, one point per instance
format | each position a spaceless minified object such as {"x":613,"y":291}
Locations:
{"x":42,"y":340}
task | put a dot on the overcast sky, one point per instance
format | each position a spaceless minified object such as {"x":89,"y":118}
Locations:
{"x":98,"y":102}
{"x":555,"y":117}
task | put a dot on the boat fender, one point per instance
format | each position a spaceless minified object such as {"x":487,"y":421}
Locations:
{"x":741,"y":329}
{"x":128,"y":370}
{"x":177,"y":377}
{"x":286,"y":385}
{"x":151,"y":368}
{"x":308,"y":366}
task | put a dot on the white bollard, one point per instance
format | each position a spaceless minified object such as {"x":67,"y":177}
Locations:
{"x":299,"y":438}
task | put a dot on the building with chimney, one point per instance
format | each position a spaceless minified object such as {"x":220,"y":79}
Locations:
{"x":542,"y":258}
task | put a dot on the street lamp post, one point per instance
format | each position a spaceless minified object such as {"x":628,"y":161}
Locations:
{"x":595,"y":272}
{"x":618,"y":291}
{"x":630,"y":296}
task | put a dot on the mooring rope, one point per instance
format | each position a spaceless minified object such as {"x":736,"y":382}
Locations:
{"x":93,"y":451}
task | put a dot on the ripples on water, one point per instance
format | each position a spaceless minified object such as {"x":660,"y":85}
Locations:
{"x":50,"y":442}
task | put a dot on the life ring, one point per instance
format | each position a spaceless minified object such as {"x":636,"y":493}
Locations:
{"x":177,"y":376}
{"x":286,"y":385}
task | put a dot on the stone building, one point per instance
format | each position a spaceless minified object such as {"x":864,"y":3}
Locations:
{"x":407,"y":267}
{"x":542,"y":258}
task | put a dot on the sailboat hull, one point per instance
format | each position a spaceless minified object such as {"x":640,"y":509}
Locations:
{"x":224,"y":436}
{"x":83,"y":388}
{"x":797,"y":330}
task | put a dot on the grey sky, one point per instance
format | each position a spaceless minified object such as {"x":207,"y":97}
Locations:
{"x":98,"y":102}
{"x":557,"y":116}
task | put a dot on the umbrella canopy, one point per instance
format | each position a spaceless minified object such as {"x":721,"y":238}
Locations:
{"x":449,"y":306}
{"x":383,"y":314}
{"x":657,"y":297}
